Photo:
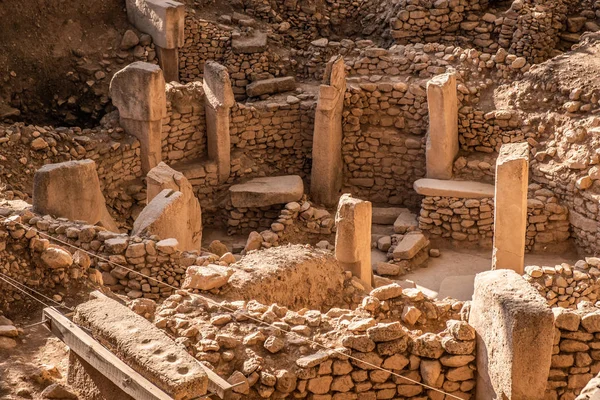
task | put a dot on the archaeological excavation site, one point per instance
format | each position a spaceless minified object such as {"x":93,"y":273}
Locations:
{"x":300,"y":199}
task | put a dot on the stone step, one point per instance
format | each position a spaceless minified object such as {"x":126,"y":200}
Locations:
{"x":410,"y":245}
{"x":448,"y":188}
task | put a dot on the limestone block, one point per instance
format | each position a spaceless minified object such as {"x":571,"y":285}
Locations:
{"x":410,"y":245}
{"x":442,"y":140}
{"x":243,"y":44}
{"x":406,"y":222}
{"x":164,"y":20}
{"x":353,"y":237}
{"x":271,"y":86}
{"x":515,"y":332}
{"x":217,"y":85}
{"x":444,"y":188}
{"x":71,"y":190}
{"x":143,"y":347}
{"x":138,"y":91}
{"x":206,"y":278}
{"x":172,"y":214}
{"x":326,"y":174}
{"x":164,"y":177}
{"x":262,"y":192}
{"x":510,"y":207}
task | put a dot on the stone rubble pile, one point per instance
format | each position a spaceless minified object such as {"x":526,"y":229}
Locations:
{"x":280,"y":360}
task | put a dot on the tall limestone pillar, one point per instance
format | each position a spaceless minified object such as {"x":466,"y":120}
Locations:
{"x":353,"y":237}
{"x":442,"y":140}
{"x":138,"y":91}
{"x":326,"y":175}
{"x":219,"y":100}
{"x":164,"y":20}
{"x":510,"y":207}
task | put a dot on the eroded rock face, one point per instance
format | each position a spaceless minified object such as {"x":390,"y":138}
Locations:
{"x":56,"y":257}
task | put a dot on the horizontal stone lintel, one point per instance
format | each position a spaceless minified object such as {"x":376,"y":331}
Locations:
{"x":447,"y":188}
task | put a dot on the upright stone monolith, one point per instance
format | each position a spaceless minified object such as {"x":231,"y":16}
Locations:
{"x":515,"y":333}
{"x":164,"y":20}
{"x":219,"y":100}
{"x":71,"y":190}
{"x":510,"y":207}
{"x":353,"y":237}
{"x":326,"y":175}
{"x":442,"y":139}
{"x":138,"y":91}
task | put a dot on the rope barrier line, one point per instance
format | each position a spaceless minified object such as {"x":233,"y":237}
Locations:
{"x":36,"y":292}
{"x":259,"y":321}
{"x":24,"y":292}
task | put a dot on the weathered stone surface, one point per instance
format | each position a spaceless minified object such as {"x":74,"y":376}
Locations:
{"x":71,"y":190}
{"x":145,"y":348}
{"x":256,"y":43}
{"x":271,"y":86}
{"x":510,"y":207}
{"x":161,"y":19}
{"x":353,"y":237}
{"x":410,"y":245}
{"x":326,"y":172}
{"x":206,"y":278}
{"x":172,"y":212}
{"x":462,"y":189}
{"x":138,"y":91}
{"x":56,"y":257}
{"x":219,"y":99}
{"x":261,"y":192}
{"x":442,"y":139}
{"x":387,"y":215}
{"x":406,"y":221}
{"x":514,"y":325}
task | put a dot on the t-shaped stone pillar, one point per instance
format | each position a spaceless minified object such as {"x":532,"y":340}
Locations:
{"x":510,"y":207}
{"x":164,"y":20}
{"x":219,"y":100}
{"x":71,"y":190}
{"x":326,"y":175}
{"x":353,"y":237}
{"x":442,"y":140}
{"x":138,"y":91}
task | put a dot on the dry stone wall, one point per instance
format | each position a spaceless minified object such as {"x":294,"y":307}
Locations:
{"x":184,"y":128}
{"x":472,"y":220}
{"x":383,"y":148}
{"x":25,"y":148}
{"x":275,"y":136}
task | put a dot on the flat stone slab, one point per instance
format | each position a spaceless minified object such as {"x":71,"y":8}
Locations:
{"x":387,"y":215}
{"x":262,"y":192}
{"x":249,"y":44}
{"x":462,"y":189}
{"x":271,"y":86}
{"x":406,"y":222}
{"x":410,"y":245}
{"x":144,"y":347}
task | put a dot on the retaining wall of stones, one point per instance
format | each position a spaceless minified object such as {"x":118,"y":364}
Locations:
{"x":472,"y":220}
{"x":26,"y":148}
{"x":383,"y":147}
{"x":274,"y":137}
{"x":576,"y":354}
{"x":184,"y":128}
